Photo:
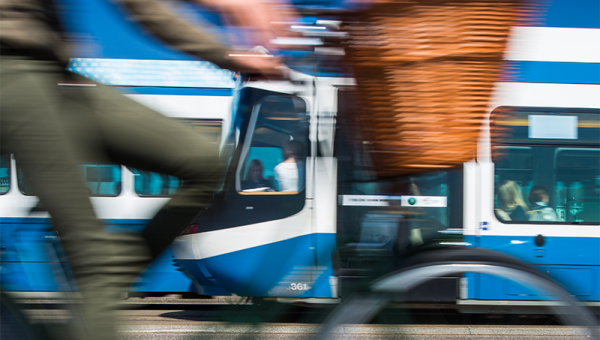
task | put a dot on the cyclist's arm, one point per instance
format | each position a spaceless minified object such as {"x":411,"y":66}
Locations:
{"x":176,"y":32}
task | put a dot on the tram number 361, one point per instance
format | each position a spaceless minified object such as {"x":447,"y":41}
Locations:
{"x":298,"y":286}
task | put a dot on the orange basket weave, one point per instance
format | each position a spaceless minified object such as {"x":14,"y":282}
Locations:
{"x":425,"y":71}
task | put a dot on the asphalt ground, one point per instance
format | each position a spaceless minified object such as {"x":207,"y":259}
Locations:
{"x":182,"y":324}
{"x":237,"y":318}
{"x":354,"y":331}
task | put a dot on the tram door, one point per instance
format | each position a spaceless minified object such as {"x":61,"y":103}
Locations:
{"x":546,"y":200}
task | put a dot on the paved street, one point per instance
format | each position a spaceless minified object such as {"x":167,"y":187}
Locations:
{"x":147,"y":324}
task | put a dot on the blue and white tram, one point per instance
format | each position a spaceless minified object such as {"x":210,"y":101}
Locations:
{"x":269,"y":242}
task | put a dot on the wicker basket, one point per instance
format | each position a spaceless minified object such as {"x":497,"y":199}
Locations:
{"x":425,"y":70}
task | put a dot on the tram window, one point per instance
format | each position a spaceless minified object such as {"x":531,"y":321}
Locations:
{"x":148,"y":183}
{"x":101,"y":179}
{"x":545,"y":175}
{"x":578,"y":184}
{"x":4,"y":173}
{"x":273,"y":161}
{"x":152,"y":184}
{"x":514,"y":178}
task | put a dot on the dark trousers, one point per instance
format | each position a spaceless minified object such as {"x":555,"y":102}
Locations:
{"x":51,"y":130}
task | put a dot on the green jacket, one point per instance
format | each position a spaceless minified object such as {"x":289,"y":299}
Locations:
{"x":31,"y":28}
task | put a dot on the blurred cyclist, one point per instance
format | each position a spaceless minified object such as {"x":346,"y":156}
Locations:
{"x":50,"y":131}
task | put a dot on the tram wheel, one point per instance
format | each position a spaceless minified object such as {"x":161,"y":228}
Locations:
{"x":363,"y":307}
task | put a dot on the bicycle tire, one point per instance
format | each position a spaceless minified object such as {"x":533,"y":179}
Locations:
{"x":422,"y":266}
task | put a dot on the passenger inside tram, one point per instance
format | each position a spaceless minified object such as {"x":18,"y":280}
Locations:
{"x":540,"y":210}
{"x":511,"y":204}
{"x":290,"y":173}
{"x":254,"y":180}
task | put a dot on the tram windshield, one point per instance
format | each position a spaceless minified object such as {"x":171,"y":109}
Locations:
{"x":273,"y":159}
{"x":547,"y":167}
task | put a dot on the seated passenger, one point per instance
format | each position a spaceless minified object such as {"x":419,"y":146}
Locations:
{"x":254,"y":178}
{"x":540,"y":211}
{"x":290,"y":173}
{"x":511,"y":203}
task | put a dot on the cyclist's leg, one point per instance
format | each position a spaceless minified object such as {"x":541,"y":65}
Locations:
{"x":34,"y":134}
{"x":139,"y":137}
{"x":130,"y":251}
{"x":136,"y":136}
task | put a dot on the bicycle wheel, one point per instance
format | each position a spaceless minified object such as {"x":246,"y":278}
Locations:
{"x":363,"y":307}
